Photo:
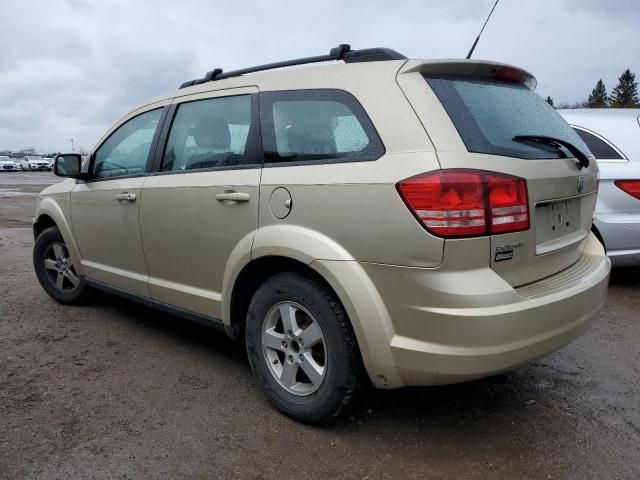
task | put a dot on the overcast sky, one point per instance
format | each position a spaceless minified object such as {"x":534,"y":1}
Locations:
{"x":70,"y":68}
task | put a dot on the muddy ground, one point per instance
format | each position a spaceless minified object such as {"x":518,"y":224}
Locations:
{"x":116,"y":390}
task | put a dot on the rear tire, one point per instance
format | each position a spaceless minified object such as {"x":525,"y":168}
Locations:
{"x":302,"y":349}
{"x":55,"y":270}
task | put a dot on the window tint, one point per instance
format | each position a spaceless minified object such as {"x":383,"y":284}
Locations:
{"x":599,"y":148}
{"x":126,"y":151}
{"x":321,"y":125}
{"x":489,"y":114}
{"x":209,"y":133}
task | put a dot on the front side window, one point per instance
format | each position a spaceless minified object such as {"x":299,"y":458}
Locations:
{"x":209,"y":133}
{"x":600,"y":149}
{"x":316,"y":125}
{"x":126,"y":151}
{"x":489,"y":114}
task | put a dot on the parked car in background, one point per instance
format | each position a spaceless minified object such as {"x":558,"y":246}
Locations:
{"x":34,"y":163}
{"x":613,"y":136}
{"x":340,"y":230}
{"x":7,"y":164}
{"x":49,"y":161}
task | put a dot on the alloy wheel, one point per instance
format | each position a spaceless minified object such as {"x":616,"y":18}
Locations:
{"x":294,"y":348}
{"x":59,"y":268}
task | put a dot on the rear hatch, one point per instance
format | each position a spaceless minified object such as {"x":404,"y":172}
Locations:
{"x":472,"y":112}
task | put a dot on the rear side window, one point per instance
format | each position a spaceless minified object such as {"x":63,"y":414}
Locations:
{"x":316,"y":126}
{"x":488,"y":114}
{"x":210,"y":133}
{"x":600,"y":149}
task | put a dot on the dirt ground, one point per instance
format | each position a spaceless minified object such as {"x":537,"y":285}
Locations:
{"x":116,"y":390}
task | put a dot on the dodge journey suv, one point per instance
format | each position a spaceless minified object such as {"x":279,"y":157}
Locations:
{"x":372,"y":219}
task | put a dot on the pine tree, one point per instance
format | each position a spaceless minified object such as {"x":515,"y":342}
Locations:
{"x":625,"y":94}
{"x":598,"y":97}
{"x":549,"y":100}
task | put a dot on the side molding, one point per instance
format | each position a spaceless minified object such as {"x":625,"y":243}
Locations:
{"x":163,"y":307}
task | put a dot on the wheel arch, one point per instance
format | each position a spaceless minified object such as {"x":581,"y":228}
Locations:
{"x":351,"y":286}
{"x":49,"y":214}
{"x":273,"y":249}
{"x":249,"y":279}
{"x":41,"y":223}
{"x":279,"y":247}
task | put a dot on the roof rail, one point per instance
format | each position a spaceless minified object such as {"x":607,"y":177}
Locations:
{"x":341,"y":52}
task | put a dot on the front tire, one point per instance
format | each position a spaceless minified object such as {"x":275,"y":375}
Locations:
{"x":302,"y":348}
{"x":55,"y":270}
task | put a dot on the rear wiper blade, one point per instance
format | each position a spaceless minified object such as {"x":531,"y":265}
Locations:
{"x":583,"y":160}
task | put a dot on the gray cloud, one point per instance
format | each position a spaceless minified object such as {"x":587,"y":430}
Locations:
{"x":69,"y":69}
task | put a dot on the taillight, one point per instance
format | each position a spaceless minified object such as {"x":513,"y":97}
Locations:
{"x":508,"y":205}
{"x":467,"y":203}
{"x":632,"y":187}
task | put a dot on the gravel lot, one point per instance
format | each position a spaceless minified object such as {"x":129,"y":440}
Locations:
{"x":116,"y":390}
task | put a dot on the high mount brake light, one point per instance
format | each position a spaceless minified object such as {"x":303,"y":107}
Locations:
{"x":509,"y":74}
{"x":515,"y":75}
{"x":631,"y":187}
{"x":467,"y":203}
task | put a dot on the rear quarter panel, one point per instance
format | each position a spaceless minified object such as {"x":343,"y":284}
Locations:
{"x":355,"y":205}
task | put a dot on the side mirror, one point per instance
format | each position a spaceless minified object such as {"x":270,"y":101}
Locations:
{"x":67,"y":165}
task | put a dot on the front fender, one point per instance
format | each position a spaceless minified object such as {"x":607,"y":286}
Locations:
{"x":57,"y":208}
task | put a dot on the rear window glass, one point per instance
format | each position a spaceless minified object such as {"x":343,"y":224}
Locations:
{"x":599,"y":148}
{"x":489,"y":114}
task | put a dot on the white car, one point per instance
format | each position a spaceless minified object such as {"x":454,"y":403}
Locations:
{"x":612,"y":136}
{"x":49,"y":161}
{"x":7,"y":164}
{"x":34,"y":163}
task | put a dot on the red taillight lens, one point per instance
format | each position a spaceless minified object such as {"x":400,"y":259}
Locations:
{"x":467,"y":203}
{"x":632,"y":187}
{"x":449,"y":204}
{"x":508,"y":203}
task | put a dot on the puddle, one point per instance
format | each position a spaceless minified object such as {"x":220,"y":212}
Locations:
{"x":13,"y":193}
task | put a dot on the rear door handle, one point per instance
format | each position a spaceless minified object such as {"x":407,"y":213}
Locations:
{"x":233,"y":197}
{"x":128,"y":197}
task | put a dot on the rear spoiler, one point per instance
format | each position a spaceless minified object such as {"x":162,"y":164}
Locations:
{"x":480,"y":69}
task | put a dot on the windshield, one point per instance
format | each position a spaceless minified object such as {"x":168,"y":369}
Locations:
{"x":489,"y":114}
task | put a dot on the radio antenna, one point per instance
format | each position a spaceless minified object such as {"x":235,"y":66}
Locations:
{"x":473,"y":47}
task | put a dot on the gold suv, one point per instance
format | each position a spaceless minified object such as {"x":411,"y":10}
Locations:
{"x":374,"y":219}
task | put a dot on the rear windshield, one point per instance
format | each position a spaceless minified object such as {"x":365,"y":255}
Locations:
{"x":489,"y":114}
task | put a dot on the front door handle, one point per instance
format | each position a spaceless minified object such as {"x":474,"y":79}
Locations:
{"x":127,"y":197}
{"x":233,"y":197}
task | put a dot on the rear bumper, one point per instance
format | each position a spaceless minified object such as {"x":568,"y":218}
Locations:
{"x":621,"y":235}
{"x":458,"y":326}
